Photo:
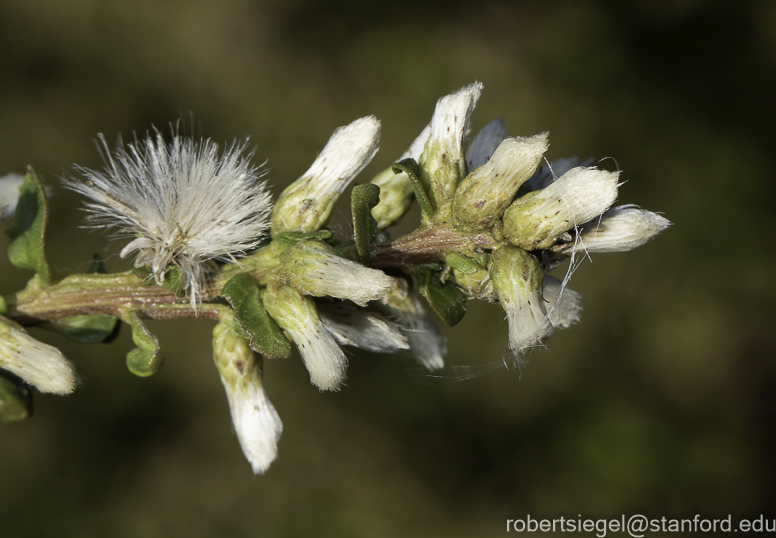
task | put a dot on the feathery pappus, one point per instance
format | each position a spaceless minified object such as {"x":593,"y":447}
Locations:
{"x":184,"y":203}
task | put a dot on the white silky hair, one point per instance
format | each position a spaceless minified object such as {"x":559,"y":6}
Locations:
{"x":322,"y":357}
{"x":620,"y":229}
{"x":9,"y":194}
{"x":183,"y":201}
{"x":352,"y":326}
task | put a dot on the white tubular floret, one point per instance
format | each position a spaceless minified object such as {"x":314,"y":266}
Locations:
{"x":306,"y":204}
{"x":352,"y":326}
{"x":578,"y":196}
{"x":315,"y":269}
{"x":485,"y":143}
{"x":297,"y":315}
{"x":548,"y":173}
{"x":443,"y":160}
{"x":36,"y":363}
{"x":517,"y":278}
{"x":255,"y":420}
{"x":563,"y":305}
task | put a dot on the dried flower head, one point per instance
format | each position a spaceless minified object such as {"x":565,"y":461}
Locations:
{"x":183,"y":202}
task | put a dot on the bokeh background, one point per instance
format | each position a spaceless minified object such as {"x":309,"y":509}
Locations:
{"x":660,"y":402}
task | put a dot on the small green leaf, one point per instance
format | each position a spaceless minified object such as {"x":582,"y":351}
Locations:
{"x":411,"y":168}
{"x":444,"y":298}
{"x":28,"y":228}
{"x":173,"y":281}
{"x":87,"y":329}
{"x":147,"y":358}
{"x":265,"y":335}
{"x":362,"y":200}
{"x":15,"y":398}
{"x":464,"y":264}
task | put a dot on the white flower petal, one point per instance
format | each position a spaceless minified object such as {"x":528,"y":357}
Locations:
{"x":620,"y":229}
{"x":321,"y":355}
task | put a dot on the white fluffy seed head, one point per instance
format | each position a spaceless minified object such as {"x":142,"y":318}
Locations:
{"x":306,"y":204}
{"x":296,"y":314}
{"x":36,"y":363}
{"x":578,"y":196}
{"x":484,"y":144}
{"x":620,"y":229}
{"x":314,"y":268}
{"x":255,"y":420}
{"x":184,"y":202}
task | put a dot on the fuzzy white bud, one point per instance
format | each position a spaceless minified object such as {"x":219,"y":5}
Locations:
{"x":485,"y":193}
{"x":255,"y":420}
{"x":548,"y":173}
{"x":315,"y":269}
{"x":443,"y":161}
{"x":352,"y":326}
{"x":485,"y":143}
{"x":38,"y":364}
{"x":517,"y":278}
{"x":620,"y":229}
{"x":306,"y":204}
{"x":297,"y":315}
{"x":578,"y":196}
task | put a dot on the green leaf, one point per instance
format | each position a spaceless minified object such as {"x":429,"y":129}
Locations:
{"x":174,"y":281}
{"x":444,"y":298}
{"x":147,"y":358}
{"x":411,"y":168}
{"x":87,"y":329}
{"x":362,"y":200}
{"x":15,"y":398}
{"x":464,"y":264}
{"x":28,"y":228}
{"x":265,"y":335}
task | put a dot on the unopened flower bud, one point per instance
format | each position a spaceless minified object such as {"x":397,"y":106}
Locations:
{"x":477,"y":284}
{"x":255,"y":420}
{"x":620,"y":229}
{"x":443,"y":163}
{"x":314,"y":268}
{"x":306,"y":204}
{"x":297,"y":315}
{"x":563,"y":305}
{"x":396,"y":190}
{"x":538,"y":218}
{"x":517,"y":277}
{"x":484,"y":144}
{"x":426,"y":341}
{"x":36,"y":363}
{"x":485,"y":193}
{"x":352,"y":326}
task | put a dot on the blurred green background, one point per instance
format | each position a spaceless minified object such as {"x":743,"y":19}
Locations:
{"x":661,"y":401}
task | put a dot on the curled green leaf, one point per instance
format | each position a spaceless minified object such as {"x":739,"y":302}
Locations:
{"x":445,"y":298}
{"x":362,"y":200}
{"x":28,"y":228}
{"x":265,"y":335}
{"x":147,"y":358}
{"x":411,"y":168}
